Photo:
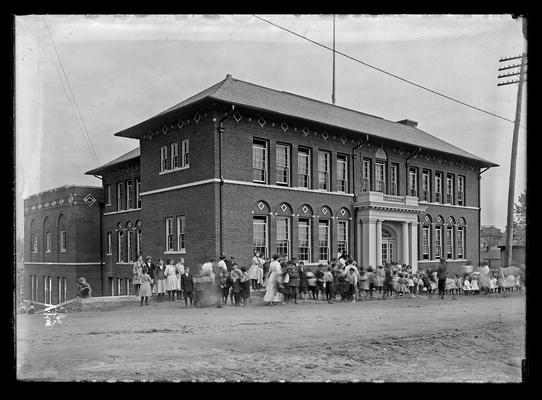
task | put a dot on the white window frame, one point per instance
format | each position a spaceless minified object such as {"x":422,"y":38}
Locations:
{"x":366,"y":175}
{"x":109,"y":250}
{"x":412,"y":182}
{"x":460,"y":190}
{"x":426,"y":185}
{"x":65,"y":288}
{"x":380,"y":180}
{"x":129,"y":194}
{"x":342,"y":170}
{"x":324,"y":161}
{"x":108,"y":194}
{"x":174,"y":147}
{"x":450,"y":242}
{"x":47,"y":242}
{"x":34,"y":243}
{"x":263,"y":221}
{"x":181,"y":234}
{"x":45,"y":290}
{"x":285,"y":237}
{"x":185,"y":153}
{"x":394,"y":189}
{"x":62,"y":241}
{"x":119,"y":286}
{"x":112,"y":285}
{"x":129,"y":243}
{"x":169,"y":233}
{"x":304,"y":162}
{"x":308,"y":228}
{"x":120,"y":201}
{"x":449,"y":189}
{"x":344,"y":241}
{"x":327,"y":240}
{"x":163,"y":159}
{"x":438,"y":242}
{"x":460,"y":242}
{"x":283,"y":165}
{"x":426,"y":242}
{"x":139,"y":235}
{"x":438,"y":187}
{"x":120,"y":252}
{"x":259,"y":145}
{"x":32,"y":288}
{"x":59,"y":294}
{"x":138,"y":192}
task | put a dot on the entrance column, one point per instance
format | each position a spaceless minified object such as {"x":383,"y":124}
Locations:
{"x":359,"y":234}
{"x":368,"y":245}
{"x":414,"y":245}
{"x":404,"y":243}
{"x":378,"y":243}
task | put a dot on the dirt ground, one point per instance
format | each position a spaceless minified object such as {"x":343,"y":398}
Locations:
{"x":474,"y":339}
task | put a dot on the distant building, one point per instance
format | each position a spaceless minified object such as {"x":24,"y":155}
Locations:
{"x":490,"y":236}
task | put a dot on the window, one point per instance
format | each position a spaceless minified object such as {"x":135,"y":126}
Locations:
{"x":450,"y":189}
{"x":259,"y":229}
{"x":380,"y":177}
{"x":181,"y":243}
{"x":185,"y":153}
{"x":119,"y":286}
{"x":109,"y":243}
{"x":461,"y":242}
{"x":120,"y":196}
{"x":129,"y":194}
{"x":107,"y":195}
{"x":438,"y":187}
{"x":426,"y":189}
{"x":169,"y":234}
{"x":438,"y":242}
{"x":412,"y":182}
{"x":304,"y":239}
{"x":460,"y":190}
{"x":65,"y":287}
{"x":59,"y":292}
{"x":425,"y":242}
{"x":34,"y":243}
{"x":138,"y":192}
{"x":342,"y":237}
{"x":48,"y":242}
{"x":283,"y":164}
{"x":130,"y":245}
{"x":304,"y":168}
{"x":163,"y":158}
{"x":323,"y":170}
{"x":283,"y":236}
{"x":32,"y":288}
{"x":394,"y":189}
{"x":259,"y":161}
{"x":112,"y":286}
{"x":45,"y":290}
{"x":449,"y":241}
{"x":62,"y":243}
{"x":138,"y":242}
{"x":128,"y":284}
{"x":366,"y":176}
{"x":342,"y":173}
{"x":174,"y":155}
{"x":323,"y":240}
{"x":120,"y":247}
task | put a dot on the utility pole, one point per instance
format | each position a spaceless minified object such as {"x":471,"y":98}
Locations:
{"x":512,"y":180}
{"x":333,"y":89}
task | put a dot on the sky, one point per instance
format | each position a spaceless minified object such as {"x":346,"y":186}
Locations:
{"x":125,"y":69}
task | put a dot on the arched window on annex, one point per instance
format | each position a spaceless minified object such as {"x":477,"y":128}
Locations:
{"x":426,"y":224}
{"x":261,"y":213}
{"x":325,"y":217}
{"x":450,"y":238}
{"x":33,"y":239}
{"x":62,"y":234}
{"x":439,"y":235}
{"x":130,"y":242}
{"x":343,"y":231}
{"x":138,"y":238}
{"x":283,"y":220}
{"x":304,"y":214}
{"x":47,"y":236}
{"x":461,"y":234}
{"x":121,"y":247}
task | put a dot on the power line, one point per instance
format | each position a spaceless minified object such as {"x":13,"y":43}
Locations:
{"x":385,"y":72}
{"x":85,"y":131}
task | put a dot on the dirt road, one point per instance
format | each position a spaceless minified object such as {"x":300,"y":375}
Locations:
{"x":469,"y":339}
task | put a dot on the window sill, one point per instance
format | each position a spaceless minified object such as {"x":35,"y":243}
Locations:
{"x":169,"y":171}
{"x":175,"y":251}
{"x":63,"y":251}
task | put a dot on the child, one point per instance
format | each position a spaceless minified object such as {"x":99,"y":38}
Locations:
{"x":458,"y":284}
{"x":352,"y":282}
{"x":236,"y":284}
{"x":187,"y":286}
{"x":380,"y":275}
{"x":403,"y":282}
{"x":492,"y":284}
{"x":410,"y":285}
{"x":145,"y":286}
{"x":466,"y":286}
{"x":226,"y":289}
{"x":245,"y":286}
{"x":363,"y":283}
{"x":396,"y":287}
{"x":474,"y":285}
{"x":171,"y":280}
{"x":371,"y":281}
{"x":328,"y":285}
{"x":313,"y":285}
{"x":320,"y":281}
{"x":387,"y":284}
{"x":450,"y":285}
{"x":421,"y":286}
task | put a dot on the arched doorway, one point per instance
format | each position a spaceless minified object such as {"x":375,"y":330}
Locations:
{"x":388,"y":245}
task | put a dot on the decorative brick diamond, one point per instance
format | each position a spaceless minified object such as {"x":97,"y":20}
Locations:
{"x":261,"y":206}
{"x":306,"y":131}
{"x":261,"y":121}
{"x":401,"y":151}
{"x":284,"y":126}
{"x":129,"y":225}
{"x":53,"y":203}
{"x":138,"y":223}
{"x":164,"y":129}
{"x":450,"y":220}
{"x":427,"y":157}
{"x":343,"y":212}
{"x":119,"y":225}
{"x":197,"y":117}
{"x":305,"y":209}
{"x":33,"y":208}
{"x":284,"y":207}
{"x":343,"y":139}
{"x":89,"y":199}
{"x":61,"y":201}
{"x":39,"y":206}
{"x":46,"y":205}
{"x":237,"y":116}
{"x":324,"y":211}
{"x":439,"y":160}
{"x":325,"y":135}
{"x":180,"y":124}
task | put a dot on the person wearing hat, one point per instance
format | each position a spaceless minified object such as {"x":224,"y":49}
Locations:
{"x":150,"y":270}
{"x":160,"y":279}
{"x":441,"y":275}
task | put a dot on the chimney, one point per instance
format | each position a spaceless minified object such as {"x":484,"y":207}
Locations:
{"x":408,"y":122}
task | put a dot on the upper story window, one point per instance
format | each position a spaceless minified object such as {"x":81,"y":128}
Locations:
{"x":169,"y":234}
{"x":283,"y":164}
{"x":413,"y":181}
{"x":107,"y":195}
{"x":174,"y":155}
{"x":181,"y":242}
{"x":138,"y":192}
{"x":109,"y":250}
{"x":461,"y":190}
{"x":426,"y":186}
{"x":34,"y":243}
{"x":450,"y":189}
{"x":438,"y":187}
{"x":323,"y":170}
{"x":163,"y":158}
{"x":366,"y":176}
{"x":394,"y":174}
{"x":129,"y":194}
{"x":48,"y":242}
{"x":120,"y":196}
{"x":259,"y":161}
{"x":380,"y":177}
{"x":185,"y":152}
{"x":62,"y":244}
{"x":304,"y":168}
{"x":342,"y":173}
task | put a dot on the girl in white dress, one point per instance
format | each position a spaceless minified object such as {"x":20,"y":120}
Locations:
{"x":466,"y":286}
{"x":274,"y":279}
{"x":179,"y":271}
{"x":253,"y":270}
{"x":474,"y":285}
{"x":171,"y":280}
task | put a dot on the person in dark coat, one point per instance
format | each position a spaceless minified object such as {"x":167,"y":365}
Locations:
{"x":187,"y":286}
{"x":293,"y":281}
{"x":150,"y":270}
{"x":303,"y":281}
{"x":441,"y":275}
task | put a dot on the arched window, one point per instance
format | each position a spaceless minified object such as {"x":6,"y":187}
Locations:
{"x":380,"y":170}
{"x":33,"y":237}
{"x":284,"y":230}
{"x":130,"y":242}
{"x":260,"y":228}
{"x":324,"y":233}
{"x":439,"y":222}
{"x":120,"y":243}
{"x":139,"y":236}
{"x":450,"y":237}
{"x":62,"y":228}
{"x":426,"y":237}
{"x":461,"y":232}
{"x":47,"y":235}
{"x":343,"y":231}
{"x":304,"y":233}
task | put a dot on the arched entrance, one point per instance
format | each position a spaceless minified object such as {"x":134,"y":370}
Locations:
{"x":388,"y":245}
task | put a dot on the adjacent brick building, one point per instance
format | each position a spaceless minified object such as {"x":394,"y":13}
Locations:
{"x":240,"y":167}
